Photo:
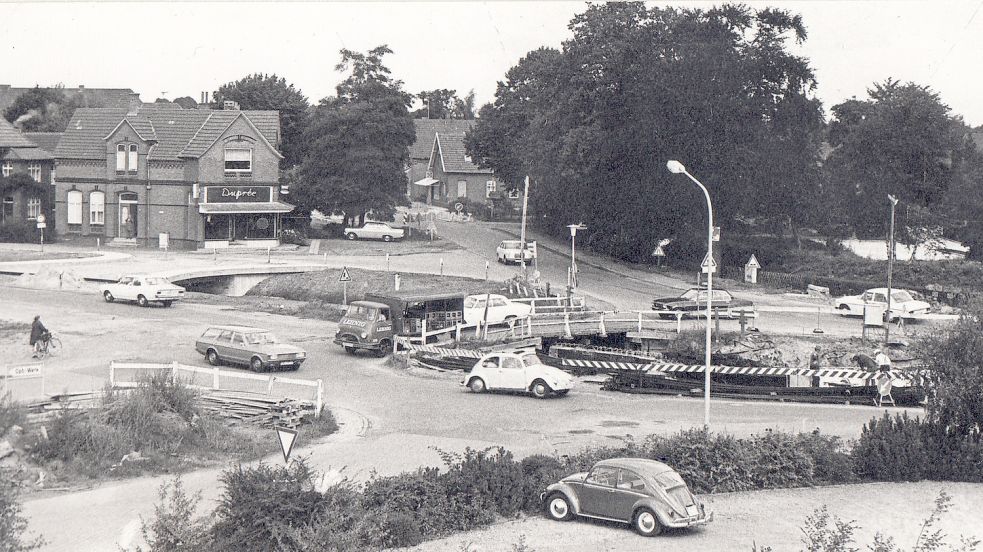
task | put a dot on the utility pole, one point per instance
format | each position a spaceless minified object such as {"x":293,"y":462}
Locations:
{"x":522,"y":232}
{"x":890,"y":270}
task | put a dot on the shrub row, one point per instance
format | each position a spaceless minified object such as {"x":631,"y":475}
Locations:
{"x":22,"y":231}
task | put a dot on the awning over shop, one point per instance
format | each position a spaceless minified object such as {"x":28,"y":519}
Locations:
{"x":244,"y":208}
{"x":426,"y":181}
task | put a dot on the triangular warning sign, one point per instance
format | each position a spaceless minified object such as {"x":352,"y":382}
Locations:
{"x":708,"y":262}
{"x":286,"y":437}
{"x":345,"y":276}
{"x":753,"y":262}
{"x":659,"y":252}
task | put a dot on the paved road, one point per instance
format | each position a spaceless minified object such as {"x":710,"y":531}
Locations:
{"x":394,"y":416}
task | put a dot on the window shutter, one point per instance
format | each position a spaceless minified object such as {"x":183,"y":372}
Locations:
{"x":74,"y":207}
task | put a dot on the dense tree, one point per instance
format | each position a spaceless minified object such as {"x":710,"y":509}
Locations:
{"x":186,"y":102}
{"x":902,"y":141}
{"x":261,"y":91}
{"x":43,"y":110}
{"x":437,"y":104}
{"x":955,"y":381}
{"x":464,"y":108}
{"x":358,"y":142}
{"x":595,"y":124}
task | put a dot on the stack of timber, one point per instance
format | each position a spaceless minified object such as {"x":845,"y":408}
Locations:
{"x":258,"y":409}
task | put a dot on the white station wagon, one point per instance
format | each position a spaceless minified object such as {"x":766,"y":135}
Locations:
{"x":375,"y":231}
{"x":903,"y":305}
{"x":500,"y":309}
{"x":517,"y":372}
{"x":143,"y":289}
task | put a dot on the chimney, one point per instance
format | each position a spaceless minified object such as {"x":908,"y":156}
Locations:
{"x":206,"y":98}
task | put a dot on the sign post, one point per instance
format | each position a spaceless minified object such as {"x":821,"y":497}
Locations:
{"x":344,"y":279}
{"x":286,"y":437}
{"x":41,"y":226}
{"x":751,"y":270}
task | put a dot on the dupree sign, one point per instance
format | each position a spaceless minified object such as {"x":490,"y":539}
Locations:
{"x":238,"y":194}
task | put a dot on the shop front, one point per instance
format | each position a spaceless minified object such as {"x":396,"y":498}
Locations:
{"x":241,"y":216}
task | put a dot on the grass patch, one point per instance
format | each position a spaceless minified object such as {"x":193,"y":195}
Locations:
{"x":18,"y":256}
{"x":324,"y":286}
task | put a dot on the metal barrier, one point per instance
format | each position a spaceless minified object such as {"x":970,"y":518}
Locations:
{"x":23,"y":381}
{"x":130,"y":374}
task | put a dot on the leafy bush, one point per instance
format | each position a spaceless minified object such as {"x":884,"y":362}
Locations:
{"x":260,"y":505}
{"x":892,"y":449}
{"x":293,"y":236}
{"x":22,"y":231}
{"x":11,"y":414}
{"x":13,"y":526}
{"x":175,"y":526}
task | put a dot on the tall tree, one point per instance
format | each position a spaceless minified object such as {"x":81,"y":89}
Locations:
{"x":358,"y":142}
{"x":902,"y":141}
{"x":43,"y":110}
{"x":270,"y":92}
{"x":464,"y":108}
{"x":594,"y":124}
{"x":437,"y":104}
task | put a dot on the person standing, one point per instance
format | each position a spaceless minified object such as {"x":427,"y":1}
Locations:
{"x":883,"y":361}
{"x":38,"y":334}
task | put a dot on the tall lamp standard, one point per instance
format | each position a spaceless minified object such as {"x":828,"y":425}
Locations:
{"x":890,"y":270}
{"x":676,"y":167}
{"x":573,"y":252}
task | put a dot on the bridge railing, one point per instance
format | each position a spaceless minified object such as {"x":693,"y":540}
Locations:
{"x":542,"y":305}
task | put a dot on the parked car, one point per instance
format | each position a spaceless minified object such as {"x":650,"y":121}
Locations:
{"x":521,"y":371}
{"x":253,"y":347}
{"x":143,"y":289}
{"x":903,"y":305}
{"x":375,"y":231}
{"x":645,"y":493}
{"x":694,"y":300}
{"x":510,"y":251}
{"x":500,"y":309}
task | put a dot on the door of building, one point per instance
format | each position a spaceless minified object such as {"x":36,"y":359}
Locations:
{"x":127,"y":227}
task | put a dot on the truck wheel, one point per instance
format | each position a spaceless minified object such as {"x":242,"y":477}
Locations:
{"x":352,"y":236}
{"x":385,"y":347}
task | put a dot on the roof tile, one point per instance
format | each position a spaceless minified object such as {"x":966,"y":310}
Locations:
{"x":426,"y":129}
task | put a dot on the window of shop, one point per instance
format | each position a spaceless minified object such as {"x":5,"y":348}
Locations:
{"x":238,"y":162}
{"x":462,"y":188}
{"x":33,"y":207}
{"x":8,"y":168}
{"x":34,"y":170}
{"x":218,"y":227}
{"x":97,"y":209}
{"x":8,"y":207}
{"x":74,"y":218}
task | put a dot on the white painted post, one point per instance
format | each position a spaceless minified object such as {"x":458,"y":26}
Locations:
{"x":215,"y":384}
{"x":639,"y":321}
{"x":325,"y":258}
{"x":269,"y":385}
{"x":112,"y":373}
{"x":602,"y":330}
{"x":174,"y":369}
{"x":486,"y":271}
{"x":441,"y":266}
{"x":319,"y":400}
{"x":387,"y":262}
{"x":269,"y":258}
{"x":566,"y":324}
{"x":679,"y":322}
{"x":477,"y":330}
{"x":529,"y":325}
{"x":423,"y":331}
{"x":457,"y":331}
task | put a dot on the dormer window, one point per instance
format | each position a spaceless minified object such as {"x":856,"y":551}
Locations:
{"x":127,"y":158}
{"x":238,"y":162}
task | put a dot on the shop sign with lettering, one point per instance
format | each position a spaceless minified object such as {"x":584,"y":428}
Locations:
{"x":238,"y":194}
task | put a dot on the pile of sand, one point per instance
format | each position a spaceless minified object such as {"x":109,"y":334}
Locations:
{"x":50,"y":278}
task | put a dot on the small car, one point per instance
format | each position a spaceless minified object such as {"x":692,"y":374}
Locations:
{"x":143,"y":289}
{"x":645,"y":493}
{"x":253,"y":347}
{"x":903,"y":305}
{"x":375,"y":231}
{"x":520,"y":371}
{"x":694,"y":300}
{"x":500,"y":309}
{"x":510,"y":251}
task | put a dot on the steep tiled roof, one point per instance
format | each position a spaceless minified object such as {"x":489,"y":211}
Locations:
{"x":11,"y":137}
{"x":426,"y":129}
{"x":178,"y":132}
{"x":451,"y":155}
{"x":47,"y":141}
{"x":32,"y":153}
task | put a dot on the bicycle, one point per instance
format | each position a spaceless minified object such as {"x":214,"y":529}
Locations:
{"x":50,"y":346}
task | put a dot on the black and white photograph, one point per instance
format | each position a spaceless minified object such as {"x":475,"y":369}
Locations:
{"x":502,"y":276}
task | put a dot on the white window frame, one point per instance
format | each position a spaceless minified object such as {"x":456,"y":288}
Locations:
{"x":74,"y":200}
{"x":462,"y":188}
{"x":120,"y":158}
{"x":97,"y":208}
{"x":490,"y":187}
{"x":132,"y":158}
{"x":233,"y":172}
{"x":34,"y":171}
{"x":8,"y":168}
{"x":33,"y":207}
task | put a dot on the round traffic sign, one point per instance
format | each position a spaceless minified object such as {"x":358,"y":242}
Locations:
{"x":459,"y":207}
{"x":40,"y":219}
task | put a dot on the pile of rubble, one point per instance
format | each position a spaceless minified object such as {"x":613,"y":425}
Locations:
{"x":258,"y":409}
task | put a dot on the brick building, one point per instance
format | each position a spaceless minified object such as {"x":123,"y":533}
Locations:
{"x":441,"y":171}
{"x":195,"y":178}
{"x":27,"y":173}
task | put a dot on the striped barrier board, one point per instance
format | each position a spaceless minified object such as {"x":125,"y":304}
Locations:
{"x":737,"y":370}
{"x":466,"y":353}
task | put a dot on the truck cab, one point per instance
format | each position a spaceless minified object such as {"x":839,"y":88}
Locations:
{"x":367,"y":325}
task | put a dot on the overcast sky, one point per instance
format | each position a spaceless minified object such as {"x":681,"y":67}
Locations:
{"x":182,"y":49}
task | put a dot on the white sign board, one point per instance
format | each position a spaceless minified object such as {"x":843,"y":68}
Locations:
{"x":286,"y":437}
{"x":874,"y":315}
{"x":163,"y":239}
{"x":25,"y":371}
{"x":708,"y":264}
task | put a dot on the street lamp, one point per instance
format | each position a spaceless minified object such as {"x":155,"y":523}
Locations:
{"x":676,"y":167}
{"x":890,"y":269}
{"x":573,"y":252}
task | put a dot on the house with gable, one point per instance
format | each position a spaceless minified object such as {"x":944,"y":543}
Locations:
{"x":441,"y":171}
{"x":161,"y":175}
{"x":27,"y":171}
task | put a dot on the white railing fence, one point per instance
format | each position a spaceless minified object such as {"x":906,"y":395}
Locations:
{"x":130,"y":374}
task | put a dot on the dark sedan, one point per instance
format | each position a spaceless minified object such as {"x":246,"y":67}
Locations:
{"x":694,"y":300}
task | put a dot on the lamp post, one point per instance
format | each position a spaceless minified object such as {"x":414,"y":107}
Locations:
{"x":573,"y":252}
{"x":890,"y":270}
{"x":676,"y":167}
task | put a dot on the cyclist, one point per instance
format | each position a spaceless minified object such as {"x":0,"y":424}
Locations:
{"x":39,"y":334}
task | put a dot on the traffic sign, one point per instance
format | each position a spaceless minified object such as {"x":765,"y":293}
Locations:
{"x":345,"y":276}
{"x":458,"y":206}
{"x":286,"y":437}
{"x":716,"y":233}
{"x":708,"y":264}
{"x":659,"y":252}
{"x":42,"y":225}
{"x":753,"y":262}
